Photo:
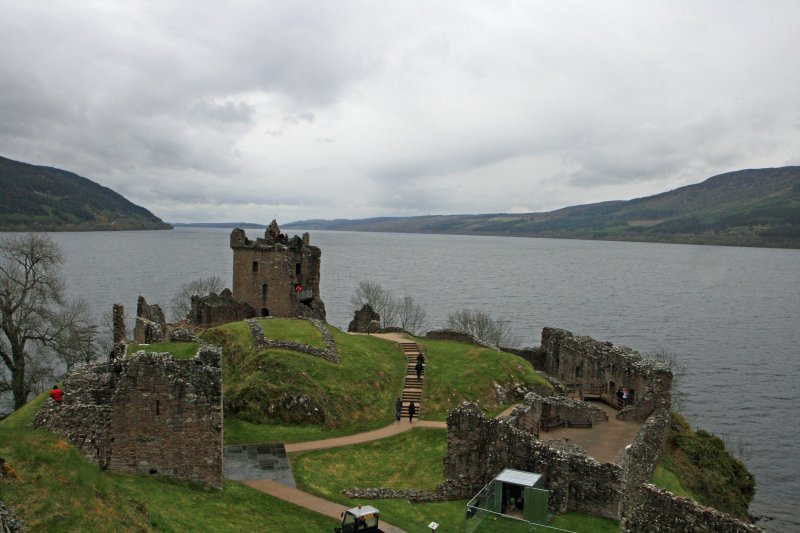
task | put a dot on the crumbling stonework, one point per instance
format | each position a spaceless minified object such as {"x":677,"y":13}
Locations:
{"x":151,"y":327}
{"x":641,"y":458}
{"x":451,"y":335}
{"x":146,"y":414}
{"x":9,"y":523}
{"x":604,"y":367}
{"x":661,"y":511}
{"x":119,"y":331}
{"x":527,"y":416}
{"x":479,"y":448}
{"x":213,"y":310}
{"x":277,"y":275}
{"x":329,"y":353}
{"x":365,"y":320}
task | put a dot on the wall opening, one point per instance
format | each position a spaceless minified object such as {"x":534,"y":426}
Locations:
{"x":255,"y":266}
{"x":264,"y":311}
{"x":158,"y":407}
{"x":297,"y":268}
{"x":264,"y":292}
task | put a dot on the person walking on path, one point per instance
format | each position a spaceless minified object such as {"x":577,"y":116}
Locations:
{"x":418,"y":367}
{"x":412,"y":410}
{"x":57,"y":394}
{"x":398,"y":408}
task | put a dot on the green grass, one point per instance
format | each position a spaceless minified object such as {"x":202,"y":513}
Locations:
{"x":297,"y":330}
{"x":408,"y":460}
{"x":178,"y":350}
{"x":238,"y":431}
{"x":457,"y":371}
{"x":667,"y":479}
{"x":59,"y":491}
{"x":264,"y":388}
{"x":696,"y":464}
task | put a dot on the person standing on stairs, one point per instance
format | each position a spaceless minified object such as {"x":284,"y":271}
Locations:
{"x":418,"y":367}
{"x":412,"y":410}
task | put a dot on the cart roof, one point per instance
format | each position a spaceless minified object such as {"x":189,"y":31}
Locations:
{"x":362,"y":510}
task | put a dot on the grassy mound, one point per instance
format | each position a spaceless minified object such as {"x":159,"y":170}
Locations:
{"x":458,"y":371}
{"x":59,"y":491}
{"x":697,"y":465}
{"x":284,"y":389}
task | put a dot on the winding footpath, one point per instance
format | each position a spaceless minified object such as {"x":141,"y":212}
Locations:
{"x":606,"y":442}
{"x":412,"y":391}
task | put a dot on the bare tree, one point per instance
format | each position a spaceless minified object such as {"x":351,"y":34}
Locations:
{"x":181,"y":303}
{"x":37,"y":323}
{"x":410,"y":314}
{"x":381,"y":300}
{"x":483,"y":327}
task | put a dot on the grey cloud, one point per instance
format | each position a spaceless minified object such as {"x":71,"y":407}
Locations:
{"x":349,"y":108}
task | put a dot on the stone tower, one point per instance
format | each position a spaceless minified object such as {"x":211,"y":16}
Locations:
{"x":277,"y":275}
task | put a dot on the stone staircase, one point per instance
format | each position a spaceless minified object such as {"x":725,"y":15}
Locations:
{"x":412,"y":388}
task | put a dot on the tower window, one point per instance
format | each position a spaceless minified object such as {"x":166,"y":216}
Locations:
{"x":297,"y":268}
{"x":255,"y":266}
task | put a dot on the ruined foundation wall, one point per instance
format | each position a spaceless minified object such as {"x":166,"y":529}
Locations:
{"x":148,"y":414}
{"x":479,"y":448}
{"x":590,"y":363}
{"x":663,"y":512}
{"x":526,"y":417}
{"x":641,"y":458}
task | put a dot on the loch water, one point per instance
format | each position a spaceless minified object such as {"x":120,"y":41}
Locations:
{"x":732,"y":315}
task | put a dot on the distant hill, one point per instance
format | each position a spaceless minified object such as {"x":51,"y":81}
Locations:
{"x":243,"y":225}
{"x":36,"y":198}
{"x":758,"y":207}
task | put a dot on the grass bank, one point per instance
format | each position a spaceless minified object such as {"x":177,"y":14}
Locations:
{"x":696,"y":464}
{"x":59,"y":491}
{"x":457,"y":371}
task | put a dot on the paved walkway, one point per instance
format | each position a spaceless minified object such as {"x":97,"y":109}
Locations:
{"x":309,"y":501}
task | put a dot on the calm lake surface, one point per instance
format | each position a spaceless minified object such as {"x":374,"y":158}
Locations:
{"x":732,"y":315}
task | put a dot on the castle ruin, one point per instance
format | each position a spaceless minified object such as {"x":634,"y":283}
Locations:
{"x":145,"y":414}
{"x":277,"y":275}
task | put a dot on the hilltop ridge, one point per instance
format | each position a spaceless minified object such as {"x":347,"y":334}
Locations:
{"x":40,"y":198}
{"x":754,"y":207}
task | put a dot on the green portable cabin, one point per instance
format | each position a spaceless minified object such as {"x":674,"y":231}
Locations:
{"x":519,"y":493}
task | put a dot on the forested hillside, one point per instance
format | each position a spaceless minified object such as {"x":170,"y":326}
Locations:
{"x":36,"y":198}
{"x":759,"y":207}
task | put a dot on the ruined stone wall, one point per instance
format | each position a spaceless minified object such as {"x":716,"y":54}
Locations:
{"x":479,"y":448}
{"x":266,"y":272}
{"x":150,"y":327}
{"x":535,"y":356}
{"x":661,"y":511}
{"x":526,"y":417}
{"x":590,"y":363}
{"x":641,"y":458}
{"x":147,"y":414}
{"x":365,"y":320}
{"x":450,"y":335}
{"x":329,"y":353}
{"x":213,"y":310}
{"x":9,"y":523}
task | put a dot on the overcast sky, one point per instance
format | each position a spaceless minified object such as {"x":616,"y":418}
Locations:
{"x":238,"y":111}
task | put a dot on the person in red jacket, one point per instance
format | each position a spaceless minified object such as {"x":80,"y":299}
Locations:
{"x":57,"y":394}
